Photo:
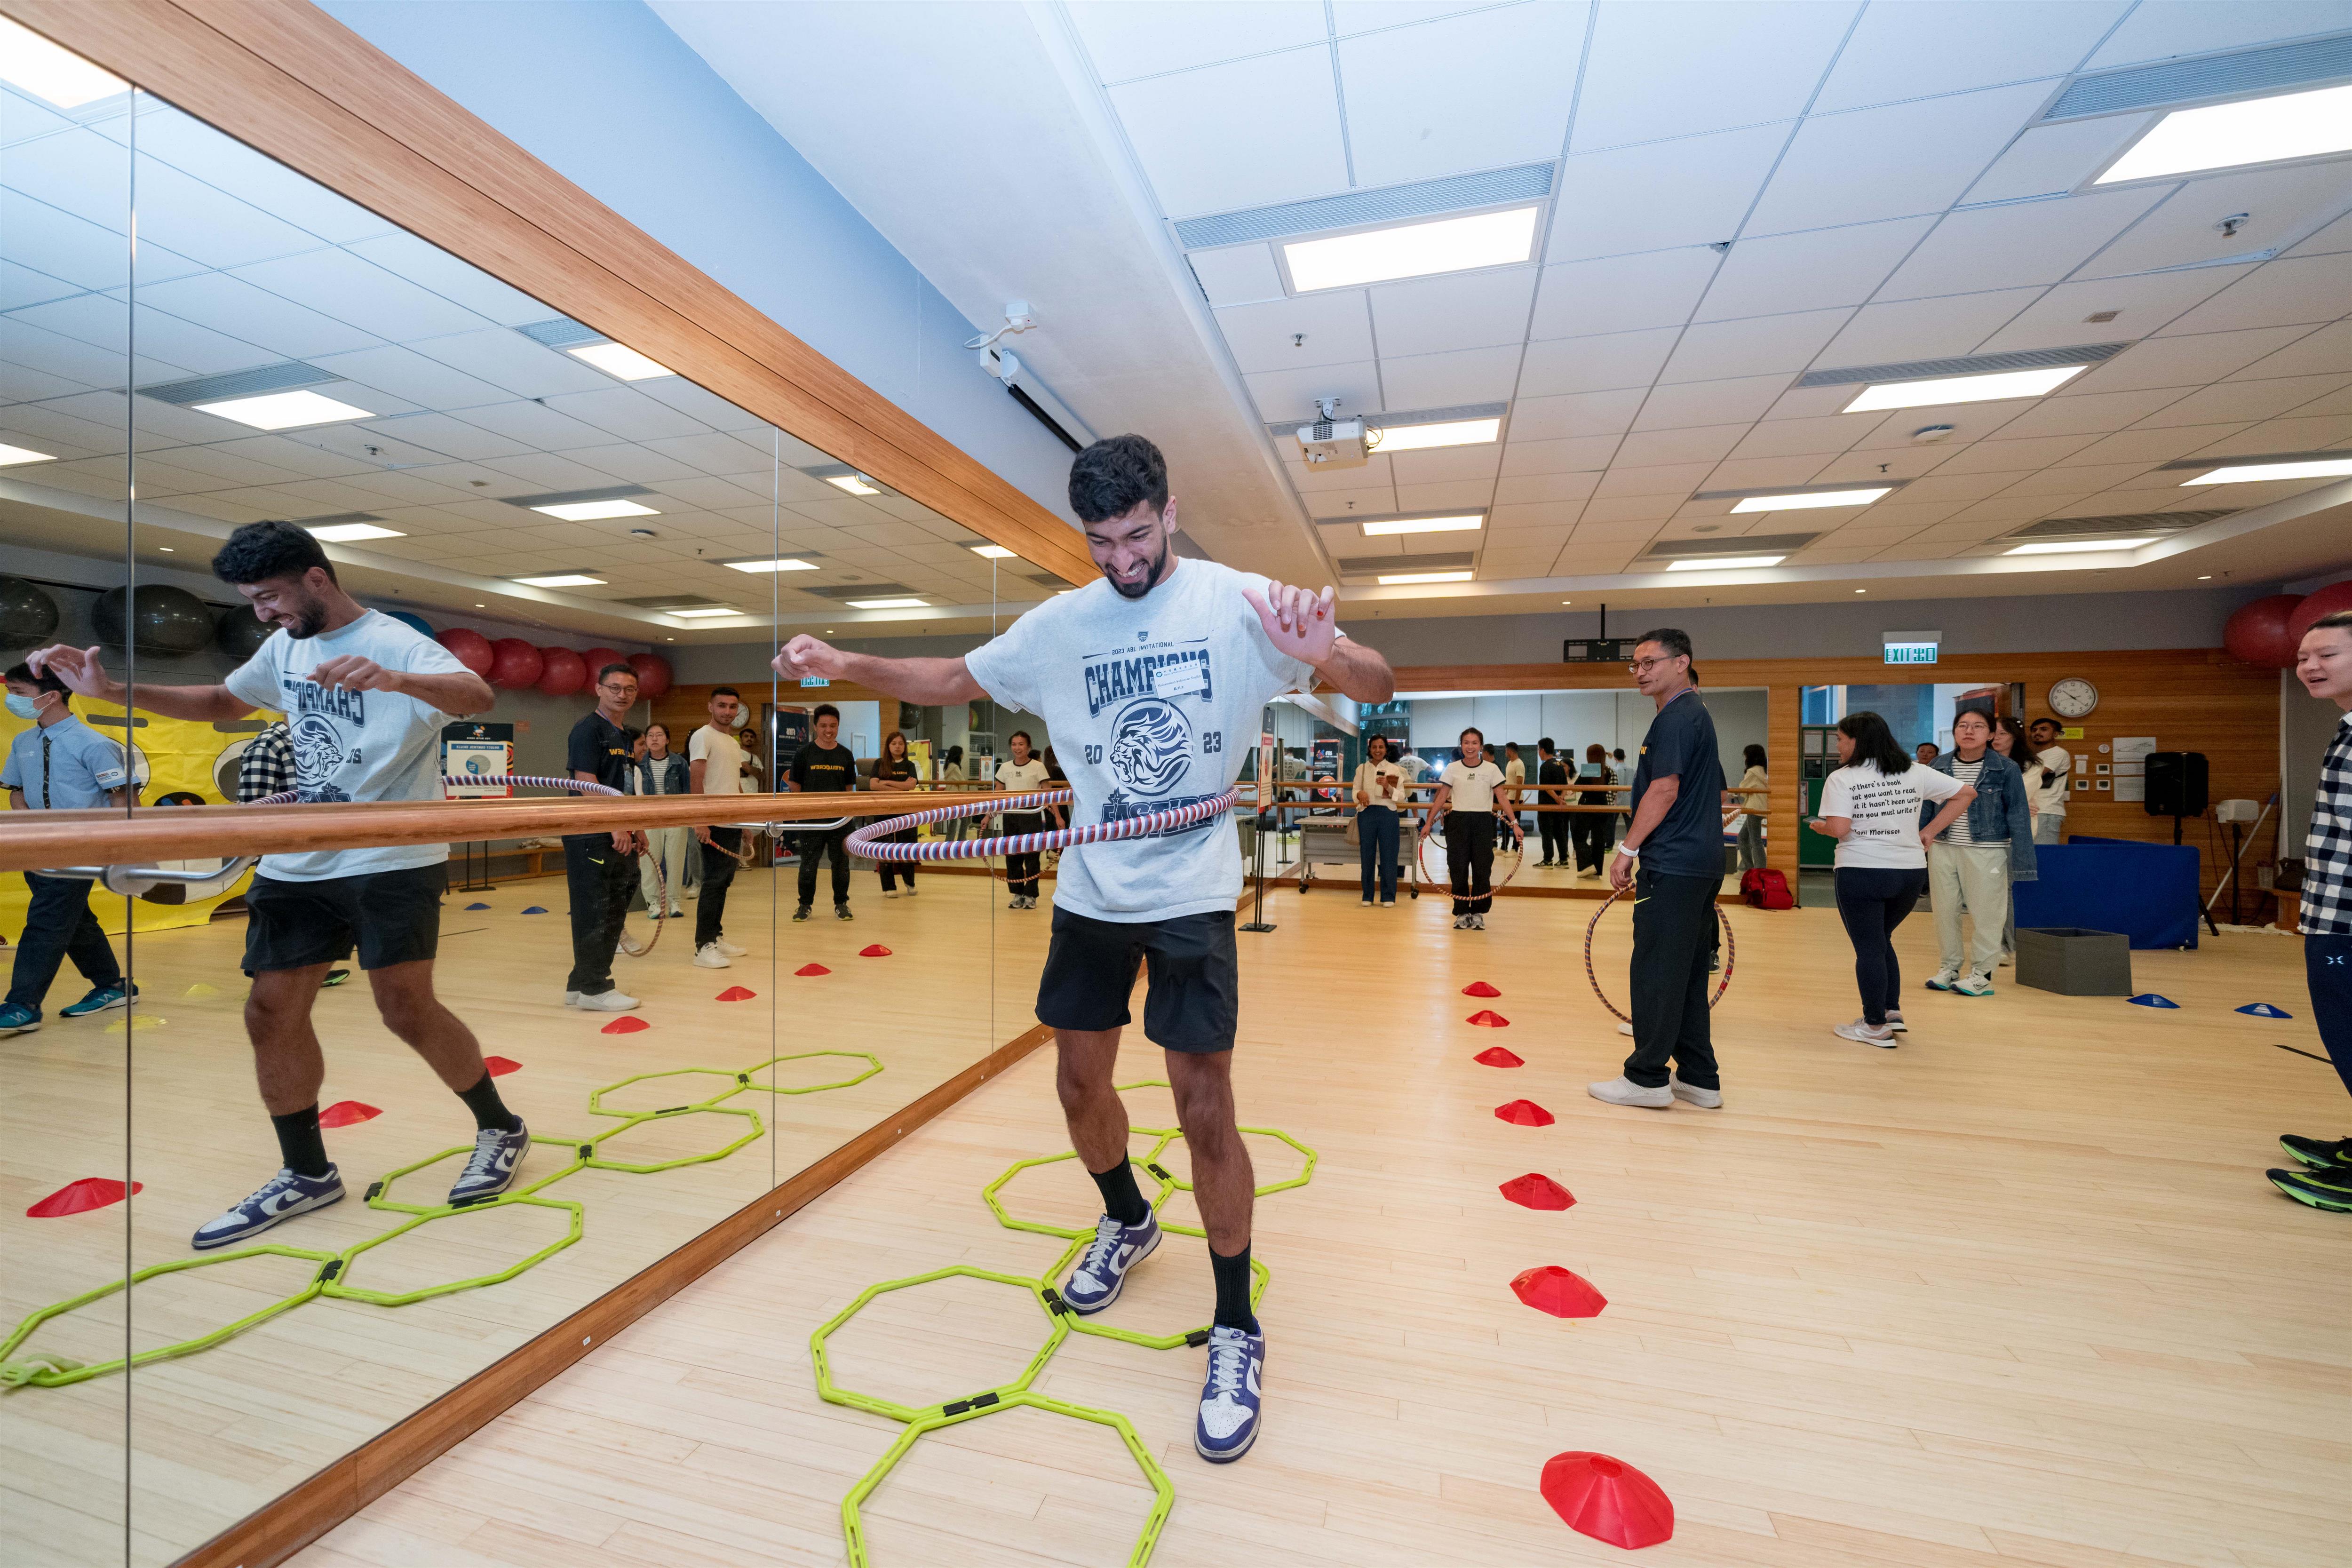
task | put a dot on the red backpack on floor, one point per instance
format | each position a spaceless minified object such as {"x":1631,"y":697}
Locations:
{"x":1766,"y":889}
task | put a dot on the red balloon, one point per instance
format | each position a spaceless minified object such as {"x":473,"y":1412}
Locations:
{"x":514,"y":663}
{"x":2257,"y":631}
{"x":562,"y":673}
{"x":469,"y":647}
{"x":652,"y":673}
{"x":597,"y":658}
{"x":2326,"y":601}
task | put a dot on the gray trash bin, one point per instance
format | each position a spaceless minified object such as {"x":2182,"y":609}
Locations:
{"x":2074,"y":962}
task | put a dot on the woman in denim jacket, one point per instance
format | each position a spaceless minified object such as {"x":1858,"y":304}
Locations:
{"x":660,"y":771}
{"x":1973,"y":862}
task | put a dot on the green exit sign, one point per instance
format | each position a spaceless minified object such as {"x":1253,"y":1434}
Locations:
{"x":1911,"y":653}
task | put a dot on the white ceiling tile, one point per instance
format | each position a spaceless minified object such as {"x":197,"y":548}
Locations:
{"x":2090,"y":413}
{"x":1595,"y":364}
{"x":1473,"y":91}
{"x":2013,"y":457}
{"x":1810,"y":403}
{"x":430,"y":266}
{"x":1595,"y":531}
{"x":1799,"y":437}
{"x":2319,"y":353}
{"x":1761,"y":473}
{"x":1710,"y":401}
{"x":2184,"y":361}
{"x":1548,"y":513}
{"x":717,"y":414}
{"x":2051,"y":159}
{"x":172,"y":136}
{"x":2336,"y":237}
{"x":98,"y":320}
{"x":1945,"y":45}
{"x":2279,"y":206}
{"x":338,"y":283}
{"x":2009,"y":246}
{"x":2245,"y":400}
{"x":1619,"y":293}
{"x":1675,"y":70}
{"x":1926,"y":328}
{"x":1812,"y":271}
{"x":1373,"y":473}
{"x":2334,"y":403}
{"x":1888,"y":162}
{"x":1450,"y":380}
{"x":1287,"y":395}
{"x":1533,"y":488}
{"x":1649,"y":510}
{"x":1352,"y":17}
{"x":2150,"y":446}
{"x":1715,"y":351}
{"x":1447,"y":463}
{"x":1675,"y":479}
{"x":2143,"y":306}
{"x":1882,"y":463}
{"x":2311,"y":288}
{"x":1125,"y":39}
{"x":1472,"y":310}
{"x":1705,"y":443}
{"x":406,"y":374}
{"x":1960,"y":488}
{"x":1898,"y":519}
{"x":536,"y":426}
{"x":1374,"y":502}
{"x":508,"y":359}
{"x":1663,"y":195}
{"x":2080,"y":479}
{"x":1585,"y":454}
{"x":1240,"y":135}
{"x":1448,"y":494}
{"x":1336,"y":327}
{"x":1579,"y":414}
{"x":1237,"y":274}
{"x":2296,"y":435}
{"x":276,"y":323}
{"x":2159,"y":28}
{"x":625,"y":411}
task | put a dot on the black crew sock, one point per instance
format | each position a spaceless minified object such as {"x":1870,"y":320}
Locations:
{"x":490,"y":1112}
{"x":1233,"y":1291}
{"x":299,"y":1145}
{"x":1122,"y":1199}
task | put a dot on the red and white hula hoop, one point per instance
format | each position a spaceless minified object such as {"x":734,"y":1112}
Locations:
{"x":1442,"y":884}
{"x":1730,"y":955}
{"x":873,"y":841}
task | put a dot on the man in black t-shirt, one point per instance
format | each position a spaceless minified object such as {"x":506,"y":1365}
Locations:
{"x":1551,"y":826}
{"x":823,"y":766}
{"x":601,"y":868}
{"x":1672,"y":860}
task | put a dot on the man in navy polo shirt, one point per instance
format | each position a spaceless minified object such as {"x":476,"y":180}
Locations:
{"x":1672,"y":860}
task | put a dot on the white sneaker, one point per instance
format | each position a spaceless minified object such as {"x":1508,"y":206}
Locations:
{"x":1461,"y":922}
{"x":1622,"y":1090}
{"x":910,"y":890}
{"x":1704,"y":1099}
{"x":1895,"y":1022}
{"x":571,"y":999}
{"x":729,"y":948}
{"x":1943,"y":979}
{"x":1861,"y":1033}
{"x":613,"y":1000}
{"x":889,"y":892}
{"x":1626,"y":1029}
{"x":708,"y":956}
{"x":1973,"y":985}
{"x":2007,"y":959}
{"x":628,"y":947}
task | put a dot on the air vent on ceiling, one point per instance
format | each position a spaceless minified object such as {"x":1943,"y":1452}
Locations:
{"x":251,"y":383}
{"x":339,"y":517}
{"x":1044,"y":579}
{"x":566,"y":498}
{"x":863,"y":591}
{"x":562,"y":333}
{"x":1368,"y":565}
{"x":1974,"y":365}
{"x":1738,"y":544}
{"x":2310,"y":61}
{"x":1423,"y":198}
{"x":1756,"y":491}
{"x":2133,"y":527}
{"x":2245,"y":459}
{"x":668,"y":601}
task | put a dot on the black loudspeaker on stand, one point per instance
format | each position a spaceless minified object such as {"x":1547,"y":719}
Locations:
{"x":2177,"y":789}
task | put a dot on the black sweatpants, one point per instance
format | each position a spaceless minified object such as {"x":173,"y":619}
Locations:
{"x":894,"y":871}
{"x":1590,"y":831}
{"x":1872,"y":901}
{"x":719,"y":868}
{"x":1470,"y":859}
{"x":1673,"y":918}
{"x":1022,"y":872}
{"x":599,"y":880}
{"x":58,"y":925}
{"x":815,"y":846}
{"x":1552,"y":829}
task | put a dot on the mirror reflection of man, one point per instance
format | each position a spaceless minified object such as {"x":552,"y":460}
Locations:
{"x":715,"y":766}
{"x":600,"y":870}
{"x":61,"y":764}
{"x":823,"y":766}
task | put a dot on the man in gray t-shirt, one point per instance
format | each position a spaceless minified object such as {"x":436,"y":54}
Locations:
{"x":1153,"y":684}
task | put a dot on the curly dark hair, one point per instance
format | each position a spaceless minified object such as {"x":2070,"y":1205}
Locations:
{"x":1110,"y":478}
{"x":261,"y":550}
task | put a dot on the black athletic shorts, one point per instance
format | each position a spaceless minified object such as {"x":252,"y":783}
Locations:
{"x":392,"y":917}
{"x":1194,"y":1001}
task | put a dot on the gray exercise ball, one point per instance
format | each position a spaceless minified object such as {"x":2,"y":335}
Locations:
{"x":241,"y":633}
{"x":168,"y":621}
{"x":28,"y":616}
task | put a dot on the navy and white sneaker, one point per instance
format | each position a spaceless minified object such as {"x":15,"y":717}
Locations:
{"x":1229,"y":1400}
{"x":281,"y":1197}
{"x":101,"y":999}
{"x":1095,"y":1282}
{"x":497,"y":1156}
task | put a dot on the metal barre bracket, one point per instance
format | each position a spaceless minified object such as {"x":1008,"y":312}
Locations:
{"x":139,"y":881}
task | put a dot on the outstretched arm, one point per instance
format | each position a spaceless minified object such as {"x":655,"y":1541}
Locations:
{"x":929,"y":681}
{"x":85,"y":677}
{"x":1305,"y":625}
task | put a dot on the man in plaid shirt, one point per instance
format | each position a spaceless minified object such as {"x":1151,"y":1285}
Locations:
{"x":2324,"y":664}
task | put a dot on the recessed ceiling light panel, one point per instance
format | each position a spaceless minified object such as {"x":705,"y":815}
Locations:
{"x":1724,"y":563}
{"x":596,"y":511}
{"x":1819,"y":498}
{"x":2255,"y":473}
{"x":57,"y":76}
{"x":621,"y":362}
{"x":856,"y":484}
{"x":2230,"y":135}
{"x":1963,"y":388}
{"x":285,"y":410}
{"x":2075,"y":546}
{"x":777,"y":564}
{"x":12,"y":456}
{"x":1467,"y":523}
{"x":1411,"y":250}
{"x":351,"y":532}
{"x":705,"y":611}
{"x":1405,"y":579}
{"x":1443,"y":433}
{"x":993,"y":551}
{"x":561,"y":580}
{"x":889,"y":604}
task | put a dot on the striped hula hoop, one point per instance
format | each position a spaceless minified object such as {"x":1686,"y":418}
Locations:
{"x":1730,"y":955}
{"x":1422,"y":877}
{"x":471,"y":780}
{"x":872,"y":841}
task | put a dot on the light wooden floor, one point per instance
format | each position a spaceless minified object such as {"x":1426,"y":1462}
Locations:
{"x":2014,"y":1293}
{"x":218,"y":1434}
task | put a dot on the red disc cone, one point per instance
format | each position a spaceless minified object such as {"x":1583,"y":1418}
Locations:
{"x":500,"y":1066}
{"x":737,"y":994}
{"x":811,"y":969}
{"x":1535,"y":1191}
{"x":347,"y":1113}
{"x":877,"y":951}
{"x":1554,"y":1290}
{"x":1479,"y":988}
{"x":1488,"y":1018}
{"x":1525,"y":1113}
{"x":1607,"y":1500}
{"x":1497,"y":1057}
{"x":80,"y":1197}
{"x":625,"y":1024}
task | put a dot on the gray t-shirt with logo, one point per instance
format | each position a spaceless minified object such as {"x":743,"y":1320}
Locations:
{"x":1152,"y":704}
{"x":352,"y":745}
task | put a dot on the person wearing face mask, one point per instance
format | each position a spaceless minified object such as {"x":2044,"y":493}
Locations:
{"x":59,"y":764}
{"x":1972,"y":863}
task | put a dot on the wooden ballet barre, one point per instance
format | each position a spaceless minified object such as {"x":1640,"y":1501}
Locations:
{"x":1525,"y":789}
{"x":36,"y":840}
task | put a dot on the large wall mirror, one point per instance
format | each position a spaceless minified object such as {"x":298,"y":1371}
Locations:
{"x":540,"y":502}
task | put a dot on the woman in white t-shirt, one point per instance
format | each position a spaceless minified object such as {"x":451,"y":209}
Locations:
{"x":1025,"y":775}
{"x":1871,"y":807}
{"x":1379,"y":792}
{"x":1465,"y":803}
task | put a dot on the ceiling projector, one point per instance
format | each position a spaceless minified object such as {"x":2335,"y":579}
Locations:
{"x":1334,"y":442}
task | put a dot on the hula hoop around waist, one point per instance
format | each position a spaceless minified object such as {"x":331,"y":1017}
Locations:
{"x":471,"y":780}
{"x":873,"y":840}
{"x":1730,"y":955}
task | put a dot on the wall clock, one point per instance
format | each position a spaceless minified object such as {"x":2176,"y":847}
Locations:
{"x":2073,"y":698}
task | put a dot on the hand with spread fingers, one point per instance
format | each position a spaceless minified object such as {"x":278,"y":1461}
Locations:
{"x":1302,"y":622}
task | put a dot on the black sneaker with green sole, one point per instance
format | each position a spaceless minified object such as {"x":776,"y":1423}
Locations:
{"x":802,"y":913}
{"x":2329,"y":1190}
{"x":2320,"y":1156}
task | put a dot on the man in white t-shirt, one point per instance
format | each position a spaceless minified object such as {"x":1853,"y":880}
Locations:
{"x":714,"y":762}
{"x":364,"y":697}
{"x":2057,"y":779}
{"x":1152,"y":683}
{"x":1464,"y":806}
